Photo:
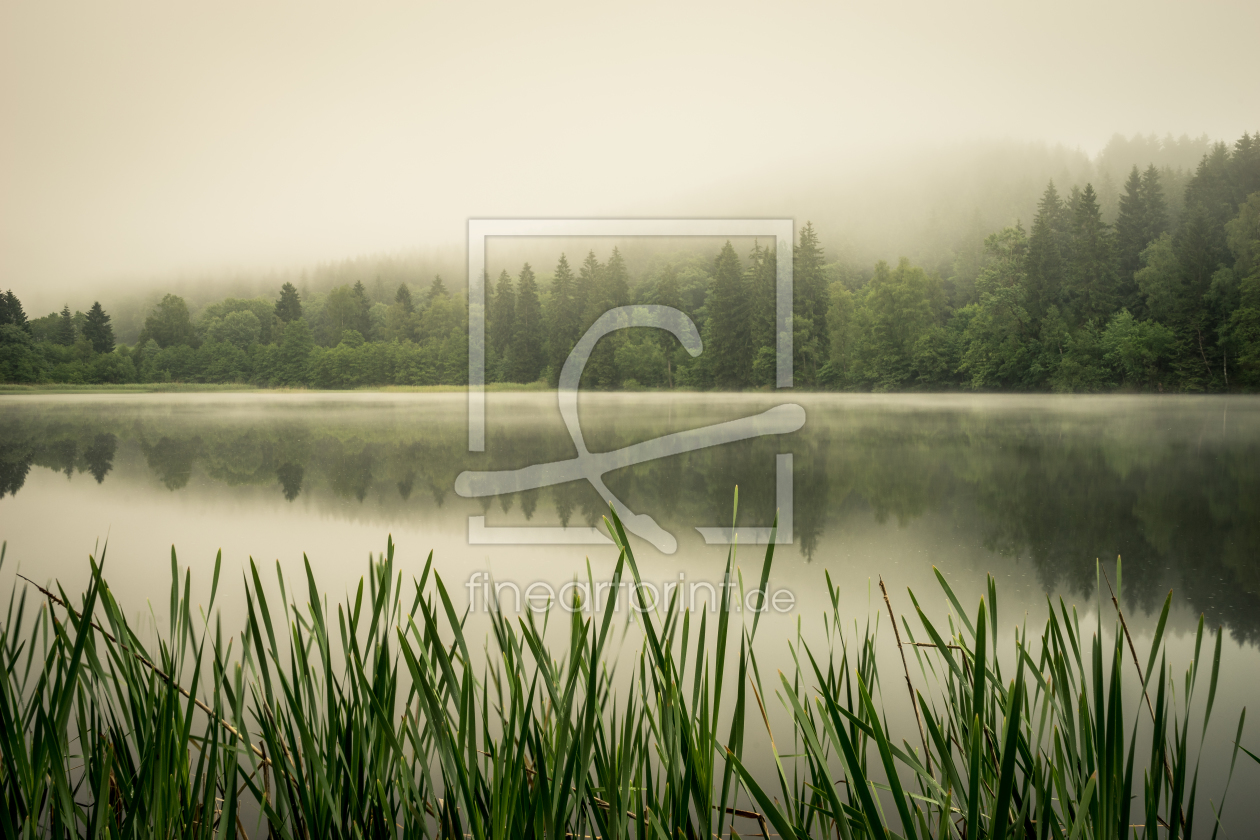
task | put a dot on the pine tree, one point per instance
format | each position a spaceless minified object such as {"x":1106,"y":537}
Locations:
{"x":527,"y":338}
{"x":586,"y":292}
{"x":1092,"y":276}
{"x":64,"y":334}
{"x":1047,"y":254}
{"x":761,"y":287}
{"x":500,"y":321}
{"x":289,"y":306}
{"x":1131,"y":227}
{"x":809,"y":293}
{"x":11,"y":311}
{"x":616,"y":281}
{"x":1245,"y":166}
{"x":98,"y":330}
{"x":728,"y":339}
{"x":1154,"y":208}
{"x":669,"y":294}
{"x":403,"y":298}
{"x":563,"y":318}
{"x":362,"y":320}
{"x":436,"y":290}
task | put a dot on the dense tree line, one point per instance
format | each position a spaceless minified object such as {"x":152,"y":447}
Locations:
{"x":1156,"y":300}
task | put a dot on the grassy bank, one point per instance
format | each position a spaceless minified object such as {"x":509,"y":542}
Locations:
{"x":373,"y":718}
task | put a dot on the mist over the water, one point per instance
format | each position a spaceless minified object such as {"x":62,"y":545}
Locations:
{"x":148,"y":145}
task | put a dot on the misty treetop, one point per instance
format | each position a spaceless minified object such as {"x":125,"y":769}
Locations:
{"x":1165,"y":297}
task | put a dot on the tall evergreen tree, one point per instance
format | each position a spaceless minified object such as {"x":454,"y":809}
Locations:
{"x":1092,"y":290}
{"x":762,"y":288}
{"x":11,"y":311}
{"x":98,"y":330}
{"x":403,"y":298}
{"x":616,"y":281}
{"x":1047,"y":254}
{"x":527,"y":339}
{"x":563,"y":318}
{"x":728,"y":339}
{"x":1154,"y":208}
{"x":362,"y":320}
{"x":1245,"y":166}
{"x":1131,"y":229}
{"x":436,"y":290}
{"x":65,"y":327}
{"x":809,"y":292}
{"x":587,"y":295}
{"x":500,"y":327}
{"x":669,"y":293}
{"x":289,"y":305}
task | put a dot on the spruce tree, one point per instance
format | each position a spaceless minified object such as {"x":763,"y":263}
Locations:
{"x":64,"y":334}
{"x":289,"y":306}
{"x":1130,"y":238}
{"x":1092,"y":290}
{"x":11,"y":311}
{"x":616,"y":281}
{"x":728,"y":339}
{"x":586,"y":292}
{"x":98,"y":330}
{"x":762,"y":272}
{"x":402,"y":297}
{"x":668,"y":293}
{"x":362,"y":321}
{"x":563,"y":318}
{"x":1154,"y":208}
{"x":436,"y":290}
{"x":501,"y":316}
{"x":1047,"y":254}
{"x":809,"y":293}
{"x":527,"y":339}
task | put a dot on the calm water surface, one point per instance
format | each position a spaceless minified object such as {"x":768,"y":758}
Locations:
{"x":1030,"y":490}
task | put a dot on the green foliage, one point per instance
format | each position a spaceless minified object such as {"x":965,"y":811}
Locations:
{"x":372,"y":717}
{"x":527,"y":357}
{"x":169,"y":324}
{"x":288,"y":305}
{"x":97,"y":329}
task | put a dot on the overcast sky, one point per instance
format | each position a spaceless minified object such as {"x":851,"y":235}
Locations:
{"x":140,"y":139}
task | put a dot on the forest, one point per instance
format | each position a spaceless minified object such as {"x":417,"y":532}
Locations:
{"x":1166,"y":297}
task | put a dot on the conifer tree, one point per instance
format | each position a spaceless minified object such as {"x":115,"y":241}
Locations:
{"x":98,"y":330}
{"x":527,"y":339}
{"x":586,"y":292}
{"x":289,"y":306}
{"x":1047,"y":254}
{"x":403,"y":298}
{"x":563,"y":318}
{"x":436,"y":290}
{"x":65,"y":327}
{"x":1092,"y":290}
{"x":616,"y":281}
{"x":500,"y":320}
{"x":11,"y":311}
{"x":1154,"y":208}
{"x":362,"y":320}
{"x":762,"y":271}
{"x":809,"y":292}
{"x":728,"y":339}
{"x":1131,"y":230}
{"x":668,"y":293}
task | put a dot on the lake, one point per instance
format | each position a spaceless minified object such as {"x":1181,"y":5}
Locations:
{"x":1029,"y":489}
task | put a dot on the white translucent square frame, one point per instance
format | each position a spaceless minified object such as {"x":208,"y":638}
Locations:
{"x":481,"y":229}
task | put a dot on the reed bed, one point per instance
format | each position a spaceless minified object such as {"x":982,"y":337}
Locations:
{"x":373,"y":718}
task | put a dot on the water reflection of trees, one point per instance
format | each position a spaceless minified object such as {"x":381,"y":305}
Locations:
{"x":1181,"y":505}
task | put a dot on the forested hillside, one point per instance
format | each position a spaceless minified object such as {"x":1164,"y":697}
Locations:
{"x":1161,"y":293}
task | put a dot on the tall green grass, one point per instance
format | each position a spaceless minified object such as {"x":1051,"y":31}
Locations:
{"x":374,"y":717}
